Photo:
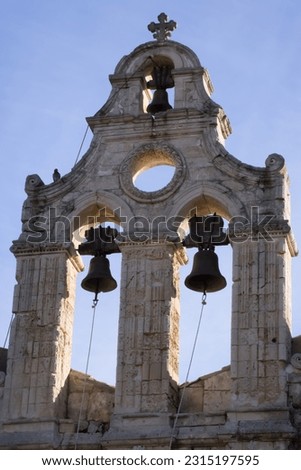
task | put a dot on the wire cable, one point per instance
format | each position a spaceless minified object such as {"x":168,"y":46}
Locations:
{"x":204,"y":297}
{"x":8,"y":330}
{"x":111,"y":99}
{"x":81,"y":145}
{"x":94,"y":305}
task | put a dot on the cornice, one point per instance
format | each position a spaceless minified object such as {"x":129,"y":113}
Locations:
{"x":127,"y":244}
{"x":166,"y":118}
{"x":274,"y":229}
{"x":21,"y":249}
{"x":228,"y":164}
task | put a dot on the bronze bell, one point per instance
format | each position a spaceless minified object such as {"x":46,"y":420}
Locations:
{"x":159,"y":102}
{"x":205,"y":275}
{"x":99,"y":277}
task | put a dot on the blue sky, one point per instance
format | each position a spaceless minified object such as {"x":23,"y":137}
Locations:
{"x":56,"y":56}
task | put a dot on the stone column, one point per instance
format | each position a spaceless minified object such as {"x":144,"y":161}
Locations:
{"x":39,"y":353}
{"x":148,"y":341}
{"x":261,"y":323}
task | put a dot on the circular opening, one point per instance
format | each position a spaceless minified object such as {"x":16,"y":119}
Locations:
{"x":152,"y":172}
{"x":155,"y":178}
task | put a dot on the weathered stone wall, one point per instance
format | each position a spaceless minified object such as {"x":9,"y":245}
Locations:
{"x":294,"y":384}
{"x":89,"y":403}
{"x":39,"y":352}
{"x":204,"y":420}
{"x":210,"y":394}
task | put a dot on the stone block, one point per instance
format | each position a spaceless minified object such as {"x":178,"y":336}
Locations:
{"x":98,"y":401}
{"x":67,"y":426}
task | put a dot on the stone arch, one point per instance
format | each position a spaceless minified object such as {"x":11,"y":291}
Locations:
{"x":102,"y":206}
{"x":93,"y":209}
{"x":206,"y":199}
{"x":192,"y":84}
{"x":181,"y":56}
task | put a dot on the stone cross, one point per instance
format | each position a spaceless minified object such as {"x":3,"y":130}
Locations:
{"x":161,"y":30}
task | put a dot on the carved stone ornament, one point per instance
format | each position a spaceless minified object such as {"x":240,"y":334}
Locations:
{"x":296,"y":360}
{"x":161,"y":31}
{"x":33,"y":182}
{"x":145,"y":157}
{"x":275,"y":162}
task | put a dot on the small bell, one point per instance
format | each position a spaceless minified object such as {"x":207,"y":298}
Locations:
{"x":161,"y":79}
{"x":99,"y":277}
{"x":159,"y":102}
{"x":205,"y":275}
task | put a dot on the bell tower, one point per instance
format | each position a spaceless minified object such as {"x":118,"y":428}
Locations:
{"x":139,"y":127}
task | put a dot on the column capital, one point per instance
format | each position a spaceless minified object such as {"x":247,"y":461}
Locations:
{"x":268,"y":228}
{"x":154,"y":249}
{"x":21,"y":248}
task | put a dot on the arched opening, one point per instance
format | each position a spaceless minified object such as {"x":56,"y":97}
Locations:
{"x":213,"y":341}
{"x":103,"y":357}
{"x":213,"y":345}
{"x":98,"y":335}
{"x":158,"y":93}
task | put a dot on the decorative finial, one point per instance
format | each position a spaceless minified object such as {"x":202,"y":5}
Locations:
{"x":161,"y":30}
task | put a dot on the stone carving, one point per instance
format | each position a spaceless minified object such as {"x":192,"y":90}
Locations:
{"x":268,"y":229}
{"x":144,"y":157}
{"x":32,"y":183}
{"x":161,"y":31}
{"x":296,"y":360}
{"x":275,"y":162}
